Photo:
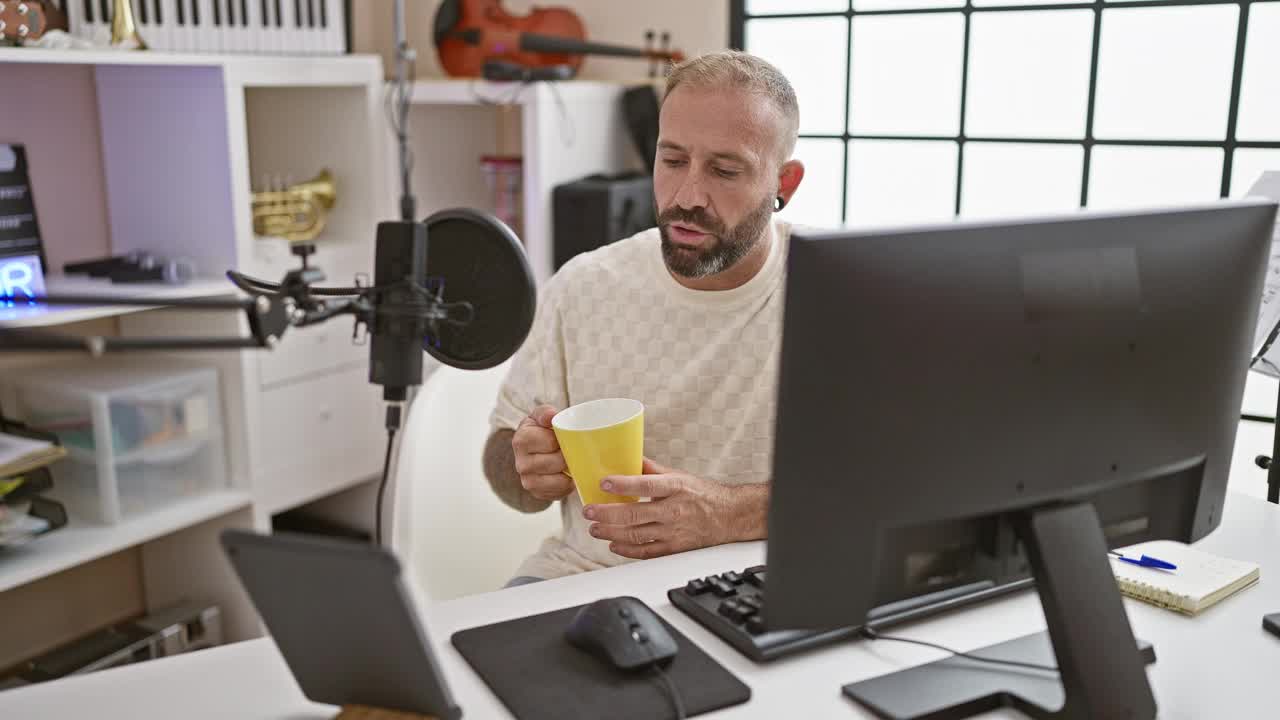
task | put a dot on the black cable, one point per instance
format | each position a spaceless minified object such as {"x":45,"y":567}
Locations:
{"x":870,"y":634}
{"x":382,"y":487}
{"x":568,"y":133}
{"x":406,"y":101}
{"x":254,"y":285}
{"x":396,"y":104}
{"x":672,"y":691}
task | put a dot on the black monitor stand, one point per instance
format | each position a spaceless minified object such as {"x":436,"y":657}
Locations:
{"x":1102,"y":670}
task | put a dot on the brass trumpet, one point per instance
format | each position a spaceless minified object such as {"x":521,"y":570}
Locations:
{"x":297,"y":213}
{"x":124,"y":27}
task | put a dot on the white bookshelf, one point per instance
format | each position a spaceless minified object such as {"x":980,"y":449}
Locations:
{"x":79,"y":543}
{"x":170,"y":148}
{"x":180,"y":142}
{"x":281,"y":70}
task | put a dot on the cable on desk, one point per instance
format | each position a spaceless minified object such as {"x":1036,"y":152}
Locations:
{"x":672,"y":691}
{"x":871,"y":634}
{"x":382,"y":487}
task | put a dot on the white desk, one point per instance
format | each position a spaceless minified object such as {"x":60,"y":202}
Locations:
{"x":1218,"y":665}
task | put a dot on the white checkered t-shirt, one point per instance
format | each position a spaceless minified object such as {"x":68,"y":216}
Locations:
{"x":614,"y":323}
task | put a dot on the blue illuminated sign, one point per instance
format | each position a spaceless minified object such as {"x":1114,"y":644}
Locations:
{"x":20,"y":280}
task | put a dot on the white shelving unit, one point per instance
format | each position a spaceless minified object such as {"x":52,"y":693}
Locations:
{"x":79,"y":543}
{"x":289,"y":71}
{"x":179,"y":138}
{"x":167,"y":149}
{"x":563,"y":132}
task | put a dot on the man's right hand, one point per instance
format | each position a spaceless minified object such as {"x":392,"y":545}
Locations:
{"x":538,"y":459}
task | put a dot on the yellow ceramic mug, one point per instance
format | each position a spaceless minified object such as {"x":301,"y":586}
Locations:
{"x":598,"y":439}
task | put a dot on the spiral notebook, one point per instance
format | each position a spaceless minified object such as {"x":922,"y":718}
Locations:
{"x":1200,"y":581}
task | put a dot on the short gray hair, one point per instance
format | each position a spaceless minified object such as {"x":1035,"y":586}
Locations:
{"x":737,"y":69}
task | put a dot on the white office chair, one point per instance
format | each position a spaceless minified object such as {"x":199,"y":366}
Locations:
{"x":454,"y":537}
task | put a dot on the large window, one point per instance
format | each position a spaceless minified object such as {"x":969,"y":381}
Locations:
{"x":924,"y":109}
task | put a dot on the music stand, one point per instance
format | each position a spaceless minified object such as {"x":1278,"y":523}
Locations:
{"x":1269,"y":463}
{"x":1268,"y":186}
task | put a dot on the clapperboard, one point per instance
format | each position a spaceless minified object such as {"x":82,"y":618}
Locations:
{"x":21,"y":252}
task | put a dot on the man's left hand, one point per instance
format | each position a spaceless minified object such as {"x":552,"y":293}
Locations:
{"x":684,"y":513}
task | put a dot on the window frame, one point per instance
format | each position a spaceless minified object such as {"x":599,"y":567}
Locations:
{"x":738,"y":18}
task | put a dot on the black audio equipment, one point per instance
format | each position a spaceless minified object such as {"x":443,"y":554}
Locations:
{"x":598,"y":210}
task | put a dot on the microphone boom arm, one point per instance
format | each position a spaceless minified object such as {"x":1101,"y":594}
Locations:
{"x":270,"y":310}
{"x":267,"y":317}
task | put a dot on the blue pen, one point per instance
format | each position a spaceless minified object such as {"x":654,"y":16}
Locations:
{"x":1146,"y":561}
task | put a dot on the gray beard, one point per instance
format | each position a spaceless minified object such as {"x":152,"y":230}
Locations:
{"x":729,"y":246}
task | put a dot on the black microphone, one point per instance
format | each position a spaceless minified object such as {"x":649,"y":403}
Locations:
{"x":399,"y":315}
{"x":102,"y":267}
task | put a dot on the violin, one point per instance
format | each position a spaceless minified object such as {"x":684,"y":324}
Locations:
{"x":468,"y":33}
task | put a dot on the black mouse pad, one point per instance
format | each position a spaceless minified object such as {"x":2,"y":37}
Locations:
{"x":538,"y":675}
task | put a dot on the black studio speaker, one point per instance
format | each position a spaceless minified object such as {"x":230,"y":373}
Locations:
{"x":598,"y":210}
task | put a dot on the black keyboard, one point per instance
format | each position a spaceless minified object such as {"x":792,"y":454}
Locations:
{"x":729,"y":605}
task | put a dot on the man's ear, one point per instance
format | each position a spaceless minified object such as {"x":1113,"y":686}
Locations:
{"x":789,"y":177}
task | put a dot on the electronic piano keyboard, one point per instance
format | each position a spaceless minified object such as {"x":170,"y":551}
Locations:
{"x":294,"y":27}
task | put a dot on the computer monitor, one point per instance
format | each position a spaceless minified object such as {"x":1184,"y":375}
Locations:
{"x":982,"y":399}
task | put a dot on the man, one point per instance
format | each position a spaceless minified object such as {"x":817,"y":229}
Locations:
{"x":685,"y":318}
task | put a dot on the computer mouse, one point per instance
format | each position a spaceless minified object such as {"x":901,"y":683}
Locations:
{"x":623,"y":632}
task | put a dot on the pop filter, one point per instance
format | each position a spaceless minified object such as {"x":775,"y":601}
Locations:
{"x":480,"y":261}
